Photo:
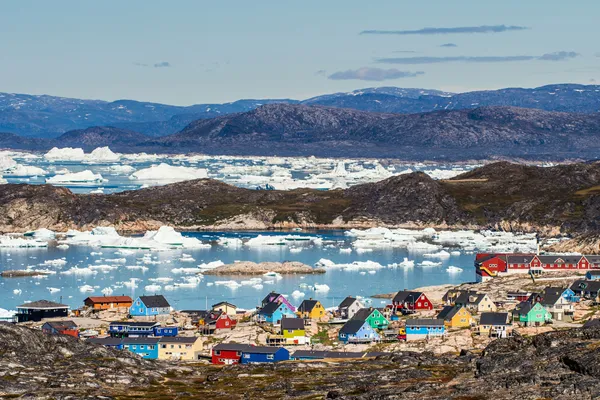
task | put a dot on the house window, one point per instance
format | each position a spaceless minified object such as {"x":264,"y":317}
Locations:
{"x":238,"y":353}
{"x":426,"y":304}
{"x":246,"y":355}
{"x":133,"y":347}
{"x":218,"y":352}
{"x":151,"y":347}
{"x":164,"y":346}
{"x":270,"y":357}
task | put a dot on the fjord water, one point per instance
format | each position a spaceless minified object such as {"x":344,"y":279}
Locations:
{"x":16,"y":291}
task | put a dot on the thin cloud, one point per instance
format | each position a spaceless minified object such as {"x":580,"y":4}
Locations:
{"x":373,"y":74}
{"x":137,"y":64}
{"x":449,"y":31}
{"x":449,"y":45}
{"x":557,"y":56}
{"x":321,"y":72}
{"x":162,"y":64}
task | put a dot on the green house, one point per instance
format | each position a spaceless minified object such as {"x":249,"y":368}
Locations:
{"x":531,"y":314}
{"x":373,"y":316}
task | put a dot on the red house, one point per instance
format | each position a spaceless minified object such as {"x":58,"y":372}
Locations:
{"x":61,"y":328}
{"x":227,"y":353}
{"x":209,"y":321}
{"x":411,"y":301}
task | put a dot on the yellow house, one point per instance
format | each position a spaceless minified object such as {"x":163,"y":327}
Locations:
{"x":312,"y":309}
{"x":225,"y":307}
{"x":180,"y":348}
{"x":476,"y":302}
{"x":456,"y":317}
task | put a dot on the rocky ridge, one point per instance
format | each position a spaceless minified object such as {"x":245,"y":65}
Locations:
{"x":252,"y":268}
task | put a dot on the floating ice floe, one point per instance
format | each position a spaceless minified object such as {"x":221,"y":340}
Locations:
{"x":42,"y":234}
{"x":7,"y":315}
{"x":356,"y":265}
{"x":101,"y":155}
{"x":452,"y":269}
{"x":16,"y":242}
{"x":230,"y":242}
{"x":152,"y":288}
{"x":162,"y":280}
{"x":86,"y":289}
{"x":24,"y":170}
{"x":120,"y":169}
{"x":17,"y":291}
{"x":321,"y":287}
{"x":230,"y":284}
{"x":428,"y":263}
{"x":165,"y":173}
{"x":62,"y":246}
{"x":439,"y":254}
{"x":106,"y":291}
{"x":186,"y":271}
{"x":86,"y":176}
{"x":65,"y":154}
{"x":53,"y":289}
{"x":55,"y":263}
{"x":296,"y":294}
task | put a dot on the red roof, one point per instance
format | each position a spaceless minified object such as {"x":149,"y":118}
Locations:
{"x":109,"y":299}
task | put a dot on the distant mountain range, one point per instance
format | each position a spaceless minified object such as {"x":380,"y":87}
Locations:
{"x":49,"y":117}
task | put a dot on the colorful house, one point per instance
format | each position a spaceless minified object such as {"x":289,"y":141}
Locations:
{"x":227,"y":353}
{"x":311,"y":309}
{"x":277,"y":298}
{"x":292,"y":330}
{"x":108,"y":302}
{"x":41,"y":309}
{"x":180,"y":348}
{"x":348,"y":307}
{"x":586,"y":289}
{"x":210,"y":321}
{"x":407,"y":301}
{"x":166,"y":331}
{"x":495,"y":324}
{"x":373,"y":316}
{"x":132,"y":329}
{"x":475,"y":302}
{"x":357,"y":331}
{"x":531,"y":314}
{"x":555,"y":300}
{"x":456,"y":317}
{"x":274,"y":312}
{"x":148,"y":306}
{"x":226,"y":308}
{"x":593,"y":275}
{"x":264,"y":354}
{"x":146,"y":347}
{"x":421,"y":328}
{"x":61,"y":328}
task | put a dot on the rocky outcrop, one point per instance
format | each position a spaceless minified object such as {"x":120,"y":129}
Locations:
{"x":252,"y":268}
{"x":562,"y":199}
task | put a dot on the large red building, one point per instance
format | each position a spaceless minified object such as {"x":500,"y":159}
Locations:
{"x":406,"y":300}
{"x":227,"y":353}
{"x":488,"y":266}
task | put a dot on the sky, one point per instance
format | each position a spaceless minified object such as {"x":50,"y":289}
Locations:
{"x":190,"y":52}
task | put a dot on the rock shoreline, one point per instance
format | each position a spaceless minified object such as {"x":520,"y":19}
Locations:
{"x":252,"y":268}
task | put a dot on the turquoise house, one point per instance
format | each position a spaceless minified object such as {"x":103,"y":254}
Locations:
{"x":422,"y":328}
{"x":145,"y":347}
{"x":274,"y":312}
{"x":357,"y":331}
{"x":531,"y":314}
{"x":148,"y":306}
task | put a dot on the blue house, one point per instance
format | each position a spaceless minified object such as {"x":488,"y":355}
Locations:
{"x":167,"y":331}
{"x":357,"y":331}
{"x":148,"y":306}
{"x":593,"y":275}
{"x":274,"y":312}
{"x":133,"y":329}
{"x":145,"y":347}
{"x":264,"y":354}
{"x":418,"y":329}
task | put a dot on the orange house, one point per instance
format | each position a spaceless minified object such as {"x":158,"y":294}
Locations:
{"x":108,"y":302}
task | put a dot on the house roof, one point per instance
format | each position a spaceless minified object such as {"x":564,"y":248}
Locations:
{"x":594,"y":273}
{"x":270,"y":308}
{"x":586,"y":286}
{"x":178,"y":339}
{"x":558,"y":259}
{"x":548,"y":297}
{"x":140,"y":340}
{"x":108,"y":299}
{"x":326,"y":354}
{"x":448,"y":312}
{"x":523,"y":308}
{"x":59,"y":325}
{"x":405,"y":296}
{"x":156,"y":301}
{"x":140,"y":324}
{"x":425,"y":322}
{"x":593,"y":259}
{"x":308,"y":305}
{"x":231,"y":347}
{"x":262,"y":349}
{"x":292,"y":323}
{"x":43,"y":305}
{"x":352,"y":326}
{"x":592,"y":323}
{"x":468,"y":297}
{"x":363,"y":313}
{"x":105,"y":341}
{"x":519,"y":258}
{"x":272,"y":295}
{"x":494,"y":318}
{"x":347,"y":302}
{"x":452,"y":294}
{"x":224,"y":303}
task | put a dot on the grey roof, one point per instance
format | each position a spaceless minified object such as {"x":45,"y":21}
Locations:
{"x":347,"y":302}
{"x":452,"y":294}
{"x":425,"y":322}
{"x":307,"y":305}
{"x":105,"y":341}
{"x":178,"y":339}
{"x":448,"y":312}
{"x":519,"y":258}
{"x":326,"y":354}
{"x":548,"y":297}
{"x":363,"y":314}
{"x":494,"y":318}
{"x":352,"y":326}
{"x":406,"y":296}
{"x":62,"y":324}
{"x":559,"y":259}
{"x":43,"y":304}
{"x":585,"y":286}
{"x":593,"y":259}
{"x":523,"y":308}
{"x":592,"y":323}
{"x":156,"y":301}
{"x":136,"y":323}
{"x":140,"y":340}
{"x":468,"y":297}
{"x":292,"y":323}
{"x":594,"y":273}
{"x":231,"y":347}
{"x":262,"y":349}
{"x":270,"y":308}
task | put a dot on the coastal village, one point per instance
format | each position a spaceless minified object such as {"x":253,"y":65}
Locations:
{"x":549,"y":293}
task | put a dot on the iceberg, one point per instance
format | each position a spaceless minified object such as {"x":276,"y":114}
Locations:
{"x":453,"y":270}
{"x":152,"y":288}
{"x":65,"y":154}
{"x":102,"y":154}
{"x":86,"y":289}
{"x":24,"y":170}
{"x":16,"y":242}
{"x":86,"y":176}
{"x":166,"y":173}
{"x":106,"y":291}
